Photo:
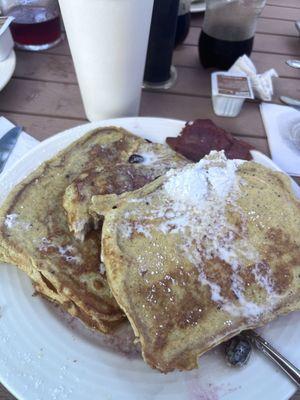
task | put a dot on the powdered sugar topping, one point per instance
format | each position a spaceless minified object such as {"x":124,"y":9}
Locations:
{"x":149,"y":157}
{"x":13,"y":221}
{"x":67,"y":252}
{"x":10,"y":220}
{"x":195,"y":206}
{"x":195,"y":183}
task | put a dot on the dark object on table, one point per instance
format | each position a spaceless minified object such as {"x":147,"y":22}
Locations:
{"x":228,"y":31}
{"x":183,"y":21}
{"x":237,"y":351}
{"x":198,"y":138}
{"x":222,"y":54}
{"x":161,"y":42}
{"x":36,"y":26}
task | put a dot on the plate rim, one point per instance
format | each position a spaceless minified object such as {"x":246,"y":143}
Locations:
{"x":12,"y":58}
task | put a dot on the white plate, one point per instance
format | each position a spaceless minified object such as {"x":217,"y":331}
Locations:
{"x":198,"y":6}
{"x":46,"y":356}
{"x":7,"y":68}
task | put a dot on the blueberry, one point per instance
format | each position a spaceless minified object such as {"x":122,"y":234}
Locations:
{"x":135,"y":159}
{"x":237,"y":351}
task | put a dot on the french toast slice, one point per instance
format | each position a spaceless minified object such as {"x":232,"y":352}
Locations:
{"x":140,"y":162}
{"x":201,"y":254}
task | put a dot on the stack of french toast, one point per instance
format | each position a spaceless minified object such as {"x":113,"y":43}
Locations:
{"x":117,"y":229}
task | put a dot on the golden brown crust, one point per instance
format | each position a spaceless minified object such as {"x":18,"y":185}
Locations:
{"x":140,"y":162}
{"x":34,"y":232}
{"x":174,"y":312}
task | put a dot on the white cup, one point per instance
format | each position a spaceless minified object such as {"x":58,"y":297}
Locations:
{"x":108,"y":41}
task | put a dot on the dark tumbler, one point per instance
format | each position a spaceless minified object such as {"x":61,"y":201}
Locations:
{"x":222,"y":54}
{"x":183,"y":21}
{"x":158,"y":71}
{"x":228,"y":31}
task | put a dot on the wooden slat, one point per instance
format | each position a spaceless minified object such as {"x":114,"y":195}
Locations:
{"x":5,"y":395}
{"x":286,"y":87}
{"x":284,"y":3}
{"x":63,"y":101}
{"x":270,"y":26}
{"x":264,"y":25}
{"x":42,"y":98}
{"x":263,"y":43}
{"x":42,"y":127}
{"x":47,"y":67}
{"x":60,"y":69}
{"x":194,"y":82}
{"x":281,"y":13}
{"x":260,"y":144}
{"x":248,"y":123}
{"x":277,"y":44}
{"x":187,"y":56}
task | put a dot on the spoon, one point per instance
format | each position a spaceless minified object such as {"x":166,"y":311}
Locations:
{"x":293,"y":63}
{"x":238,"y":350}
{"x":265,"y":347}
{"x":290,"y":101}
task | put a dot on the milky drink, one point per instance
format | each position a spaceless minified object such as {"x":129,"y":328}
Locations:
{"x":108,"y":41}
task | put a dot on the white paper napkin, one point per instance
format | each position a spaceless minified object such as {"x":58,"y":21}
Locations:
{"x":261,"y":83}
{"x":280,"y":123}
{"x":24,"y":144}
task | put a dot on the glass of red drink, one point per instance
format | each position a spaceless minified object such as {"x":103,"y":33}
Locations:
{"x":36,"y":25}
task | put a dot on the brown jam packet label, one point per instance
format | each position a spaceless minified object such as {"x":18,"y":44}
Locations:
{"x":233,"y":85}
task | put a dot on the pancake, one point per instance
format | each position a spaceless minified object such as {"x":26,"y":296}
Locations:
{"x":141,"y":163}
{"x":34,"y":232}
{"x":201,"y":254}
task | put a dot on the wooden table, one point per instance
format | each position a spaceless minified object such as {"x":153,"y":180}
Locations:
{"x":43,"y":95}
